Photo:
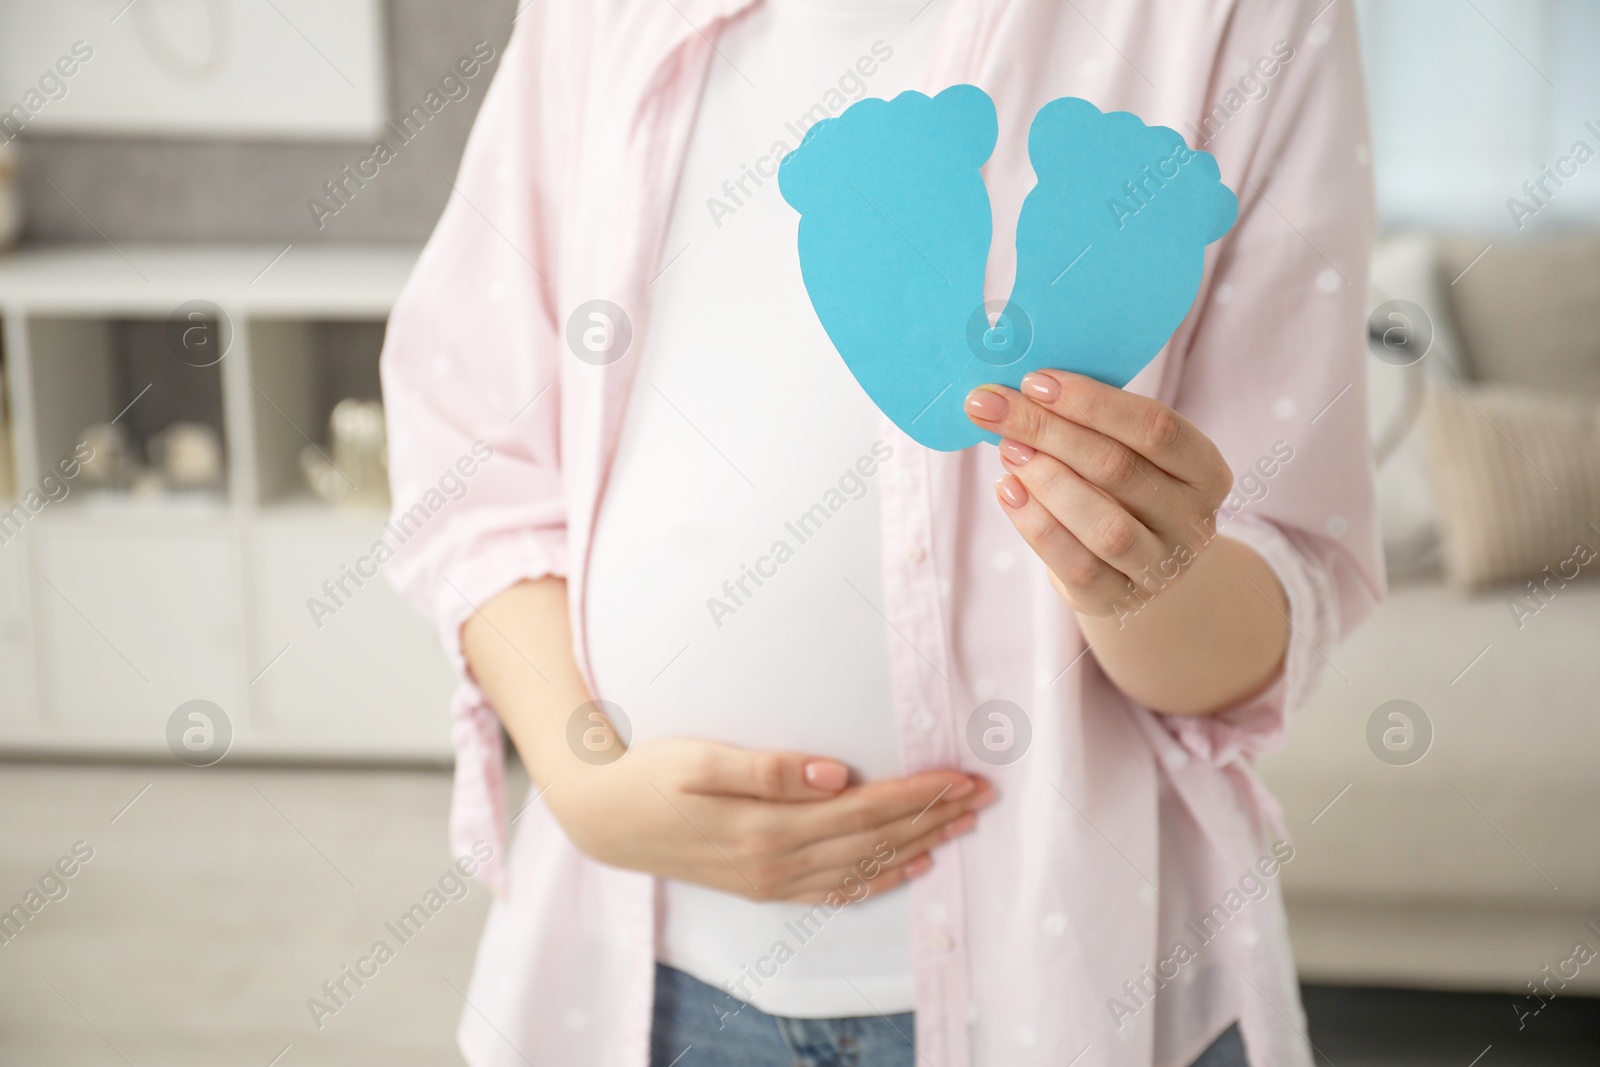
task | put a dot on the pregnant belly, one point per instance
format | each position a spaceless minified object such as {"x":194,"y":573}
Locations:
{"x":798,"y":662}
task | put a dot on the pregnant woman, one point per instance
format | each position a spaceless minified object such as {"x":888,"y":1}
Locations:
{"x":844,"y":751}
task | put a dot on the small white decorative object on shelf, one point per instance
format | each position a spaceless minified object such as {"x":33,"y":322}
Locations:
{"x":357,"y":474}
{"x":189,"y":457}
{"x":185,"y":457}
{"x":10,"y":198}
{"x":109,"y":467}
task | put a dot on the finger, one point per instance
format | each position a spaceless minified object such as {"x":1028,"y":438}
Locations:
{"x":1101,"y":524}
{"x":1100,"y":460}
{"x":1085,"y":577}
{"x":781,"y":878}
{"x":1149,"y":493}
{"x":723,"y":770}
{"x":882,"y":884}
{"x":834,"y":853}
{"x":848,"y":879}
{"x":1147,"y":426}
{"x":755,"y":840}
{"x":869,"y":807}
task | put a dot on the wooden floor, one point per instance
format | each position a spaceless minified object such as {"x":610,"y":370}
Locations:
{"x":216,"y":903}
{"x":219,"y":900}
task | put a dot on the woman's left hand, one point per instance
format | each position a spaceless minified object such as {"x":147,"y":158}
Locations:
{"x":1117,"y":493}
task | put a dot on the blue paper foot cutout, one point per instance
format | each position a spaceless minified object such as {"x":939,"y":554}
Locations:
{"x":894,"y":239}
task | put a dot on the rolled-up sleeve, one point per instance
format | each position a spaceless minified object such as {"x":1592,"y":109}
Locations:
{"x":1274,"y":357}
{"x":470,"y":365}
{"x":471,"y":393}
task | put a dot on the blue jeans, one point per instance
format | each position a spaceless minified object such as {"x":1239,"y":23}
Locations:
{"x":697,"y":1025}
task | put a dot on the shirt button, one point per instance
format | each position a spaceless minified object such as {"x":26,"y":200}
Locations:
{"x":915,"y":553}
{"x":940,"y":942}
{"x":1026,"y":1037}
{"x":1249,"y":936}
{"x":1055,"y":924}
{"x":1175,"y":759}
{"x":923,"y":720}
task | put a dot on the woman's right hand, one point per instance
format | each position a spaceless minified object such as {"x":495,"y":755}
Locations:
{"x":761,"y":825}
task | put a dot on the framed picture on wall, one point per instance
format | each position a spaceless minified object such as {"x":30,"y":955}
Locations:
{"x":247,"y":69}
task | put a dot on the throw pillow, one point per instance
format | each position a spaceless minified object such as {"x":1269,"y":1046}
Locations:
{"x":1516,"y":476}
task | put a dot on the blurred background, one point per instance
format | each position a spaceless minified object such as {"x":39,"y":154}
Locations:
{"x":234,"y":736}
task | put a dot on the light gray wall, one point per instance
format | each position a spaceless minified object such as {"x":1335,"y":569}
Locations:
{"x":190,"y":190}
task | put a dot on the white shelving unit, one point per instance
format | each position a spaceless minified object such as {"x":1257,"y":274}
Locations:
{"x":115,"y":611}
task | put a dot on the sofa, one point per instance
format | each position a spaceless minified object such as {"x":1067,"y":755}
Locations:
{"x":1443,"y":789}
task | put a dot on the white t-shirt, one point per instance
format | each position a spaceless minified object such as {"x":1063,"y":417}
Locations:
{"x":735,"y":576}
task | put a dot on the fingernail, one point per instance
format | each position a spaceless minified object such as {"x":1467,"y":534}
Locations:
{"x":826,"y":774}
{"x":988,"y":797}
{"x":960,"y":826}
{"x":1038,"y":386}
{"x":919,"y":866}
{"x":1011,"y":491}
{"x":1016,"y":452}
{"x":987,"y":405}
{"x":960,"y":789}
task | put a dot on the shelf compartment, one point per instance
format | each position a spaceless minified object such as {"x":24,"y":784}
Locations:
{"x":300,"y":369}
{"x":90,"y":372}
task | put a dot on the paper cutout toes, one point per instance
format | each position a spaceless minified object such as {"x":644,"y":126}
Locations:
{"x":894,"y":238}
